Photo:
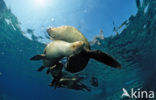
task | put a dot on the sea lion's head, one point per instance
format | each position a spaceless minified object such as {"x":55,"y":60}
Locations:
{"x":65,"y":33}
{"x":51,"y":32}
{"x":56,"y":33}
{"x":77,"y":47}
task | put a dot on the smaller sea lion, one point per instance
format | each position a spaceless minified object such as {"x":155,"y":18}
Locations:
{"x":72,"y":82}
{"x":56,"y":73}
{"x":56,"y":50}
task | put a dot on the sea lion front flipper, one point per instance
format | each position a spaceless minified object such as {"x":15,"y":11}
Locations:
{"x":103,"y":57}
{"x":38,"y":57}
{"x":41,"y":68}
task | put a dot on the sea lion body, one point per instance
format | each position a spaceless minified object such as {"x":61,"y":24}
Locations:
{"x":71,"y":34}
{"x":78,"y":62}
{"x":71,"y":82}
{"x":67,"y":33}
{"x":56,"y":50}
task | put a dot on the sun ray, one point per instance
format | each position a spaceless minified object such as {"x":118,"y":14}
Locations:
{"x":40,"y":3}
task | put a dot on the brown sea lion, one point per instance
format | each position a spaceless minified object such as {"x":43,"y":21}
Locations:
{"x":78,"y":62}
{"x":56,"y":50}
{"x":71,"y":82}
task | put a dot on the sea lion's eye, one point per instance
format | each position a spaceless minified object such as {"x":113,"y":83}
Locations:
{"x":53,"y":36}
{"x":73,"y":46}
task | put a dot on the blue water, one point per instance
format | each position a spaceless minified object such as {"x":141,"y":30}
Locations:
{"x":134,"y":47}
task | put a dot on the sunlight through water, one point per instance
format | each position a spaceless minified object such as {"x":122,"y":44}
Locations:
{"x":40,"y":3}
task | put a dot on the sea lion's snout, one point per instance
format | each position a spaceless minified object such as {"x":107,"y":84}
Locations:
{"x":49,"y":29}
{"x":78,"y":46}
{"x":50,"y":32}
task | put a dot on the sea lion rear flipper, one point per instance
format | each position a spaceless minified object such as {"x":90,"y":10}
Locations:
{"x":41,"y":68}
{"x":104,"y":58}
{"x":38,"y":57}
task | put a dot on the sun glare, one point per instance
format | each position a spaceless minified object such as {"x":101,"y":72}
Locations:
{"x":40,"y":3}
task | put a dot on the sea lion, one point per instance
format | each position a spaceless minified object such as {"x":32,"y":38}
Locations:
{"x":56,"y":50}
{"x":71,"y":82}
{"x":56,"y":73}
{"x":67,"y":33}
{"x":78,"y":62}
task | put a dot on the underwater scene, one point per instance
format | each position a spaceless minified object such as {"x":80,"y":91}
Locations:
{"x":78,"y":50}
